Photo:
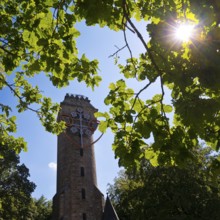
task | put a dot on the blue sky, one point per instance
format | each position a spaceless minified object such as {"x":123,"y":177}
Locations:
{"x":42,"y":146}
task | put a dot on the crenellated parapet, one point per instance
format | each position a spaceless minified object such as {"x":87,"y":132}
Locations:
{"x":78,"y":101}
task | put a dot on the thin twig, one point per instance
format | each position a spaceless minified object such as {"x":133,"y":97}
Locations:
{"x":146,"y":106}
{"x":140,"y":91}
{"x":119,"y":49}
{"x":7,"y":51}
{"x":129,"y":28}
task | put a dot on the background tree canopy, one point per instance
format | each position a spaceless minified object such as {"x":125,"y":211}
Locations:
{"x":40,"y":36}
{"x":41,"y":209}
{"x":168,"y":192}
{"x":15,"y":187}
{"x":15,"y":191}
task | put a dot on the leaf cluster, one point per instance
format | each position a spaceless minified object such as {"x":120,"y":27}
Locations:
{"x":186,"y":73}
{"x":38,"y":36}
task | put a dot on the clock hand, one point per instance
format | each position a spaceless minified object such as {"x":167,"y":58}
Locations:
{"x":81,"y":129}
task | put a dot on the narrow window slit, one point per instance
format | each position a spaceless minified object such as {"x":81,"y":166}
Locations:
{"x":84,"y":216}
{"x":82,"y":172}
{"x":83,"y":193}
{"x":81,"y":152}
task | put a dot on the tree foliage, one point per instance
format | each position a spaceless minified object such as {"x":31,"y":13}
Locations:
{"x":15,"y":191}
{"x":15,"y":187}
{"x":167,"y":192}
{"x":39,"y":35}
{"x":41,"y":209}
{"x":189,"y":70}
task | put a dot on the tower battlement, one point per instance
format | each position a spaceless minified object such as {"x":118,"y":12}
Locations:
{"x":78,"y":101}
{"x":76,"y":96}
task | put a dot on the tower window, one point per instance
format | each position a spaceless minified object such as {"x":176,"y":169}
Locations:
{"x":84,"y":216}
{"x":83,"y":193}
{"x":82,"y":171}
{"x":81,"y":152}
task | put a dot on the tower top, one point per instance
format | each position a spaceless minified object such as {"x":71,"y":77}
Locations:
{"x":76,"y":96}
{"x":77,"y":100}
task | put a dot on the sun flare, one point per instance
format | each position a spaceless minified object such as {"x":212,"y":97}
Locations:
{"x":184,"y":32}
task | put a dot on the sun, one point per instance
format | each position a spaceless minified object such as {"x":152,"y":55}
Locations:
{"x":184,"y":32}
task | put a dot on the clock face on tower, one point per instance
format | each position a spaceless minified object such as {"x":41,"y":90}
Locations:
{"x":80,"y":123}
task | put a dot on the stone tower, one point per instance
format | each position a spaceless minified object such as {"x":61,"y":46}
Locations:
{"x":77,"y":196}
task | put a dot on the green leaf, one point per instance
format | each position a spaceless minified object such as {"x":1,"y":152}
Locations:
{"x":103,"y":126}
{"x":168,"y":108}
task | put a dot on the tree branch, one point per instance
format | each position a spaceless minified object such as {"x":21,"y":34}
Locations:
{"x":7,"y":51}
{"x":126,"y":14}
{"x":160,"y":73}
{"x":19,"y":97}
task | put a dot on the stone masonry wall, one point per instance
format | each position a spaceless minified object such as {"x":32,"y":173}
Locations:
{"x":77,"y":196}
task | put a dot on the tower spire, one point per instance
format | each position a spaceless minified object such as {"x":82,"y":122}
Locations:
{"x":109,"y":211}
